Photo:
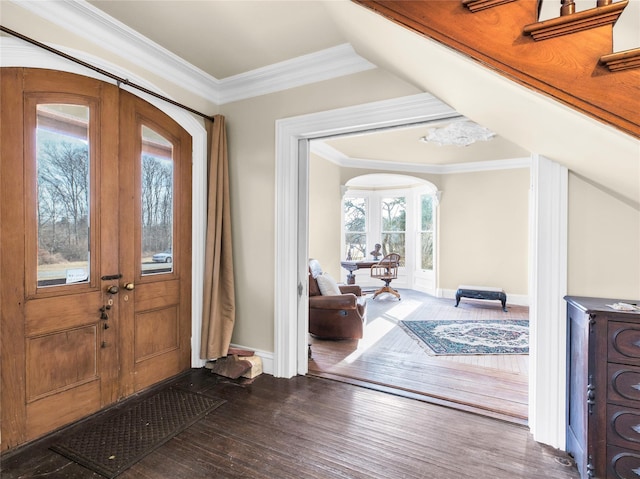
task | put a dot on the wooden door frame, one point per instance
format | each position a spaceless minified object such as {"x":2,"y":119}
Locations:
{"x":15,"y":53}
{"x":14,"y":391}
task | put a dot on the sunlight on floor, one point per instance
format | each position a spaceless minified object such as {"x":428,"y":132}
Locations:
{"x":375,"y":330}
{"x":403,"y":309}
{"x":390,"y":358}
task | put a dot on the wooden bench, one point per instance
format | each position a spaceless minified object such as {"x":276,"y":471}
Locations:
{"x":482,"y":292}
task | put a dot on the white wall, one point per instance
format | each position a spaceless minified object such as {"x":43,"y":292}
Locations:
{"x":604,"y":243}
{"x":325,"y":214}
{"x":483,"y":231}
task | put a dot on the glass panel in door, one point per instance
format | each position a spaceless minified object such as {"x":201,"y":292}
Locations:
{"x":157,"y":203}
{"x":155,"y":244}
{"x":63,"y":193}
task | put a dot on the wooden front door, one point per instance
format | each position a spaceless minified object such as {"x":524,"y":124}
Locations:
{"x":95,"y":182}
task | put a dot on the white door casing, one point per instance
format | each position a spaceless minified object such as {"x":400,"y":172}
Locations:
{"x":548,"y":261}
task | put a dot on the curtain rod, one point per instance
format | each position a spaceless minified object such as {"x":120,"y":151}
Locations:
{"x":102,"y":72}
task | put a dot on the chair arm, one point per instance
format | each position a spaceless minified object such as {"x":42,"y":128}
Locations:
{"x":343,"y":301}
{"x":350,"y":288}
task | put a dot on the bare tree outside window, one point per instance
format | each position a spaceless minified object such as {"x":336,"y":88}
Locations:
{"x":63,"y":177}
{"x":394,"y":221}
{"x":426,"y":232}
{"x":156,"y":202}
{"x":355,"y":228}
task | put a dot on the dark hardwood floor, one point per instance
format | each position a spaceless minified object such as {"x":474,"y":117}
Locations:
{"x":310,"y":427}
{"x":388,"y":359}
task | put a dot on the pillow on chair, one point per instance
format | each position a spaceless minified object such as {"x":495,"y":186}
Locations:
{"x":328,"y":285}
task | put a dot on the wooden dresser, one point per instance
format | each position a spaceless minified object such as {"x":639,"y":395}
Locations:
{"x":603,"y":388}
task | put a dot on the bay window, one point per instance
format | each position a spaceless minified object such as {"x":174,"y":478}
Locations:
{"x":402,"y":221}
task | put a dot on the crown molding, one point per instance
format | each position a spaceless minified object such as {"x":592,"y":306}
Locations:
{"x":329,"y":153}
{"x":322,"y":65}
{"x":83,"y":19}
{"x":320,"y":148}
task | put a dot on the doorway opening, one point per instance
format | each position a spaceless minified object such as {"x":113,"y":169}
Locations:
{"x":388,"y":357}
{"x":548,"y":237}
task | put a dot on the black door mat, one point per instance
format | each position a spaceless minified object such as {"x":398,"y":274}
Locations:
{"x":110,"y":445}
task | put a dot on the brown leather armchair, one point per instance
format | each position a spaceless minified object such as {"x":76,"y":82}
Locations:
{"x":337,"y":316}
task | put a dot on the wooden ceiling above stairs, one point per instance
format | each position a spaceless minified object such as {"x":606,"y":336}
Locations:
{"x":573,"y":63}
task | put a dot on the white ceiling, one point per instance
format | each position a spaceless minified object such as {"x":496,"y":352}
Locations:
{"x":403,"y":145}
{"x":230,"y":38}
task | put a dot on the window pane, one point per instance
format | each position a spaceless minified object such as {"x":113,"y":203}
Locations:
{"x":426,"y":243}
{"x":393,"y":226}
{"x":426,"y":217}
{"x":157,"y":203}
{"x":355,"y":214}
{"x":356,"y":246}
{"x":393,"y":214}
{"x":62,"y":162}
{"x":426,"y":234}
{"x":355,"y":227}
{"x":394,"y":243}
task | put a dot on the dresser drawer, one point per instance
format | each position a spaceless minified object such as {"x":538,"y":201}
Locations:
{"x":624,"y":385}
{"x":623,"y":427}
{"x":624,"y":342}
{"x":622,"y":463}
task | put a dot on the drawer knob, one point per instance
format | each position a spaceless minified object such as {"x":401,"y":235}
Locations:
{"x":636,"y":387}
{"x":636,"y":428}
{"x":636,"y":471}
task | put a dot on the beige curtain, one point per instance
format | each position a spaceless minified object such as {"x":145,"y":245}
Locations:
{"x":219,"y":306}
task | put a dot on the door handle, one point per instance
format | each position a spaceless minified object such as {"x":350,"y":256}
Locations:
{"x":129,"y":286}
{"x":113,"y":289}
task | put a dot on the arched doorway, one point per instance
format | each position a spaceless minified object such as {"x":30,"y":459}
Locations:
{"x":409,"y":205}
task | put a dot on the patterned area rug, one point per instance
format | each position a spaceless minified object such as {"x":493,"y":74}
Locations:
{"x":111,"y":444}
{"x":507,"y":336}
